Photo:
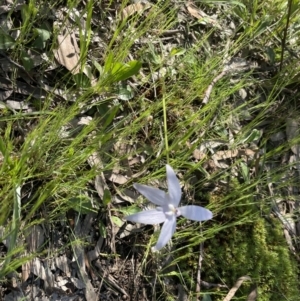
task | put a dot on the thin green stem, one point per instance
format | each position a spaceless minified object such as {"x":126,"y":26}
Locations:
{"x":165,"y":121}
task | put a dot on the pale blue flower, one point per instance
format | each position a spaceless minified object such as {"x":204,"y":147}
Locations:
{"x":167,"y":210}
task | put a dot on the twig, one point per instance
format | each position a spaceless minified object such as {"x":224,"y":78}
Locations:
{"x":210,"y":87}
{"x":198,"y":288}
{"x":236,"y":286}
{"x":209,"y":285}
{"x":233,"y":66}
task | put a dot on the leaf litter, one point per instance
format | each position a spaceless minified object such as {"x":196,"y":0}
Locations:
{"x":104,"y":267}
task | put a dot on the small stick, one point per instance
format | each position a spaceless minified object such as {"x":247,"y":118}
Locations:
{"x":210,"y":87}
{"x":198,"y":288}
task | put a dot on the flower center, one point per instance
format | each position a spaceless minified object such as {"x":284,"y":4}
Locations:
{"x":172,"y":210}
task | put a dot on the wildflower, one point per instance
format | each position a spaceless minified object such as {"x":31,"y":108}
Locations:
{"x":167,"y":210}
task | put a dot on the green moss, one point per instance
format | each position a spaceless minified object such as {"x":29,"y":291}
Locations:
{"x":244,"y":241}
{"x":256,"y":249}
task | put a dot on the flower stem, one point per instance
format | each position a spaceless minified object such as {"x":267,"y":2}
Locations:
{"x":165,"y":120}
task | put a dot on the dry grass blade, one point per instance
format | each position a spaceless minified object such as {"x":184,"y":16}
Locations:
{"x":236,"y":286}
{"x":192,"y":84}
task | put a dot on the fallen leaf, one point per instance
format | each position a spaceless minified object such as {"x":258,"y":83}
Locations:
{"x":17,"y":105}
{"x":200,"y":15}
{"x":63,"y":263}
{"x":194,"y":11}
{"x":78,"y":283}
{"x":198,"y":155}
{"x":5,"y":94}
{"x":68,"y":53}
{"x":22,"y":88}
{"x":117,"y":178}
{"x":38,"y":269}
{"x":139,"y":7}
{"x":34,"y":237}
{"x":82,"y":231}
{"x":100,"y":183}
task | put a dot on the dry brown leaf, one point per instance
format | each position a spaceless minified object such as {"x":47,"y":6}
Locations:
{"x":139,"y":7}
{"x":2,"y":229}
{"x":68,"y":53}
{"x":25,"y":270}
{"x":38,"y":269}
{"x":134,"y":161}
{"x":229,"y":154}
{"x":17,"y":105}
{"x":22,"y":88}
{"x":95,"y":253}
{"x":63,"y":263}
{"x":100,"y":183}
{"x":77,"y":283}
{"x":5,"y":94}
{"x":198,"y":155}
{"x":11,"y":6}
{"x":34,"y":237}
{"x":199,"y":14}
{"x":194,"y":11}
{"x":117,"y":178}
{"x":81,"y":231}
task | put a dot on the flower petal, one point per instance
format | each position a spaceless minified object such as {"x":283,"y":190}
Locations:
{"x":154,"y":195}
{"x":149,"y":217}
{"x":166,"y":233}
{"x":195,"y":213}
{"x":173,"y":186}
